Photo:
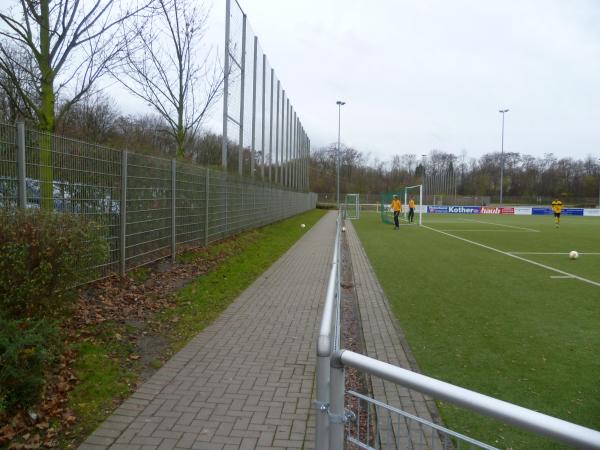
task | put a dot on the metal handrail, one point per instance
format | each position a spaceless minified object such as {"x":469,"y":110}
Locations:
{"x":324,"y":340}
{"x":535,"y":422}
{"x":327,"y":342}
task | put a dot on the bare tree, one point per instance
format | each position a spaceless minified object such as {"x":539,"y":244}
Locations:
{"x":17,"y":83}
{"x":72,"y":43}
{"x":164,"y":67}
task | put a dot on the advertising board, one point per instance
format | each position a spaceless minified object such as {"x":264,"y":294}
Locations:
{"x":437,"y":209}
{"x":464,"y":209}
{"x":522,"y":211}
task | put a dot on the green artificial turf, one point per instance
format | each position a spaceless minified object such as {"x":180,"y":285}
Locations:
{"x":494,"y":324}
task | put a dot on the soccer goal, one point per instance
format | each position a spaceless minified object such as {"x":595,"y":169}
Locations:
{"x":352,"y":206}
{"x":405,"y":195}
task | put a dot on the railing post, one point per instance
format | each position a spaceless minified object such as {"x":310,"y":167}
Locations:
{"x":173,"y":210}
{"x":322,"y":404}
{"x":123,"y":212}
{"x":206,"y":206}
{"x":337,"y":415}
{"x":21,"y":161}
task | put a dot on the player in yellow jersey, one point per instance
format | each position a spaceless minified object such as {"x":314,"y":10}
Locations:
{"x":396,"y":206}
{"x":411,"y":210}
{"x":556,"y":209}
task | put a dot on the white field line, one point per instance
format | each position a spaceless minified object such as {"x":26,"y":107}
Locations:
{"x":544,"y":266}
{"x":560,"y":276}
{"x":501,"y":225}
{"x":551,"y":253}
{"x":486,"y":230}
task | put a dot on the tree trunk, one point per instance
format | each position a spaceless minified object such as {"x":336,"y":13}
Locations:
{"x":46,"y":112}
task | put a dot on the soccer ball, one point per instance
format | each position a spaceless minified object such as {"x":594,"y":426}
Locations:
{"x":573,"y":255}
{"x":302,"y":225}
{"x":343,"y":228}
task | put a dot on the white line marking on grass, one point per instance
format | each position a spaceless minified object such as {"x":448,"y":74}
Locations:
{"x":550,"y":253}
{"x":486,"y":230}
{"x":501,"y":225}
{"x":560,"y":276}
{"x":544,"y":266}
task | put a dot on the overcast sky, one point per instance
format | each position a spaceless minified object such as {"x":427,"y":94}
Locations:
{"x":419,"y":75}
{"x":432,"y":74}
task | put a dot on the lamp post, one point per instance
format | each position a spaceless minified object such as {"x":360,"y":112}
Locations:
{"x":502,"y":111}
{"x":340,"y":104}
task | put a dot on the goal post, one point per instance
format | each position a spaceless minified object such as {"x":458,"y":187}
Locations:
{"x":404,"y":194}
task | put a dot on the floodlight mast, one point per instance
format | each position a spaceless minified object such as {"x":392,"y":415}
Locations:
{"x":502,"y":111}
{"x":340,"y":104}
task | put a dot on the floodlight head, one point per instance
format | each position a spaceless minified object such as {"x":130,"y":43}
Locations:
{"x":340,"y":103}
{"x":503,"y":111}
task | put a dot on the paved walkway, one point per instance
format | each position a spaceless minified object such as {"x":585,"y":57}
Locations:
{"x":245,"y":381}
{"x":385,"y":341}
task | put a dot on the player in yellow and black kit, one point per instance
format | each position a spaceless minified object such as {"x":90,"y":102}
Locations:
{"x":556,"y":209}
{"x":411,"y":210}
{"x":396,"y":206}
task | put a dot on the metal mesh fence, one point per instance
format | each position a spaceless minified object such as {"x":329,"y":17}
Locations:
{"x":8,"y":168}
{"x":148,"y":208}
{"x":75,"y":177}
{"x":260,"y":124}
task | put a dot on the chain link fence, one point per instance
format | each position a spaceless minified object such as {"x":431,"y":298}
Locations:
{"x":149,"y":208}
{"x":263,"y":135}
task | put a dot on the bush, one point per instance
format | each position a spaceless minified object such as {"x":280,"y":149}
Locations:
{"x":27,"y":349}
{"x":326,"y":206}
{"x":42,"y":256}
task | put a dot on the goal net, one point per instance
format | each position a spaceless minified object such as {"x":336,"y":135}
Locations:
{"x":352,"y":206}
{"x":405,"y":195}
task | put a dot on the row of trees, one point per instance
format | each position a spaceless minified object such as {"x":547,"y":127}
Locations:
{"x":54,"y":53}
{"x":526,"y":178}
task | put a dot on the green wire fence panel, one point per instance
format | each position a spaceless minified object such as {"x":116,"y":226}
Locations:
{"x":148,"y":208}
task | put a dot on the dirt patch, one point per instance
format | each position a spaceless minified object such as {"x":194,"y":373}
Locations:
{"x":353,"y":339}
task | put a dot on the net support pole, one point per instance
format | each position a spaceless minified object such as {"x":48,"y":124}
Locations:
{"x":254,"y":67}
{"x":226,"y":84}
{"x":242,"y":94}
{"x":262,"y":139}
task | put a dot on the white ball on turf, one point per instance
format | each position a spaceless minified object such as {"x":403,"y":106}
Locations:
{"x":573,"y":255}
{"x":302,"y":225}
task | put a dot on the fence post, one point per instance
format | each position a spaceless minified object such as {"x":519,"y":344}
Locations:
{"x":336,"y":407}
{"x":226,"y":206}
{"x":123,"y":211}
{"x":173,"y":210}
{"x":21,"y":161}
{"x":206,"y":209}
